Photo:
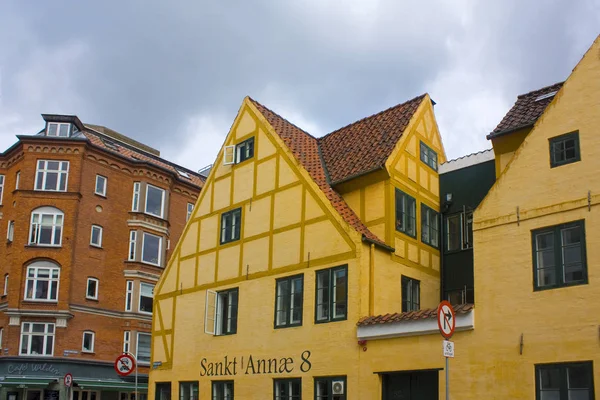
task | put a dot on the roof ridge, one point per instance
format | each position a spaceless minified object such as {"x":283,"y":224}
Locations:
{"x":283,"y":118}
{"x":467,"y":155}
{"x":373,"y":115}
{"x":539,"y":90}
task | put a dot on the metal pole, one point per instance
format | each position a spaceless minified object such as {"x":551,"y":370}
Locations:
{"x":447,"y":381}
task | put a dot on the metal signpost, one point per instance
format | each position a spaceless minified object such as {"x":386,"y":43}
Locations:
{"x":124,"y":365}
{"x":446,"y":323}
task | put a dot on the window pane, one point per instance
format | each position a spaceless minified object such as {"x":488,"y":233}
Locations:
{"x":143,"y":348}
{"x":64,"y":130}
{"x":296,"y":301}
{"x":52,"y":128}
{"x":453,"y":229}
{"x":282,"y":295}
{"x":549,"y":378}
{"x":579,"y":377}
{"x":339,"y":293}
{"x":322,"y":295}
{"x":154,"y":199}
{"x":151,"y":249}
{"x":322,"y":390}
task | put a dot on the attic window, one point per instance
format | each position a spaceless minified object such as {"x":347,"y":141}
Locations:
{"x":110,"y":144}
{"x":184,"y":174}
{"x":58,"y":129}
{"x":546,"y":96}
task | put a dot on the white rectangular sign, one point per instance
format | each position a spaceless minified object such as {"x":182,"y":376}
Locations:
{"x":448,"y":349}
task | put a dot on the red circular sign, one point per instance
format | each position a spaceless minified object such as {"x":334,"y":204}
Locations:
{"x":68,"y":380}
{"x":124,"y":364}
{"x":446,"y":319}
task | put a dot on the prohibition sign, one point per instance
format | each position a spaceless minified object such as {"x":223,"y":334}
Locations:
{"x":124,"y":364}
{"x":68,"y":380}
{"x":446,"y":319}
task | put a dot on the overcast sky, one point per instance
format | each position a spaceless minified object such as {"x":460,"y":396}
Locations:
{"x":173,"y":74}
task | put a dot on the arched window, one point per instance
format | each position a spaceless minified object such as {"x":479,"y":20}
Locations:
{"x":46,"y":227}
{"x":42,"y":281}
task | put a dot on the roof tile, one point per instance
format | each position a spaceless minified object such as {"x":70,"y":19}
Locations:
{"x":411,"y":315}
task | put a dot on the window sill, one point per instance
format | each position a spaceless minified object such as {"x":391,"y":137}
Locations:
{"x":149,"y":263}
{"x":95,"y":246}
{"x":43,"y":246}
{"x":407,"y":234}
{"x":430,"y":245}
{"x":288,"y":326}
{"x":332,"y":320}
{"x":36,"y":355}
{"x":88,"y":352}
{"x":100,"y":195}
{"x":92,"y":299}
{"x":37,"y":301}
{"x":560,"y":286}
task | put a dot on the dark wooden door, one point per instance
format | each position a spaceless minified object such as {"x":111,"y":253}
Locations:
{"x":411,"y":386}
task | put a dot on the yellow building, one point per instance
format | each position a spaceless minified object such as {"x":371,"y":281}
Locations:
{"x":292,"y":241}
{"x":311,"y":267}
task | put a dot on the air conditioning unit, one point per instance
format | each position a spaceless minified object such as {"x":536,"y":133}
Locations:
{"x":337,"y":387}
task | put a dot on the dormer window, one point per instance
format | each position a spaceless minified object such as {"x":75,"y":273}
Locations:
{"x":58,"y":129}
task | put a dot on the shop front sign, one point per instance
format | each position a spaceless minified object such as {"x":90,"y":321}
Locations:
{"x":251,"y":365}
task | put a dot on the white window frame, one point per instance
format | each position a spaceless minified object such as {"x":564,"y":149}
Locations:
{"x":17,"y":179}
{"x":99,"y":228}
{"x":1,"y":334}
{"x":229,"y":155}
{"x":83,"y":349}
{"x":162,"y":201}
{"x":5,"y":290}
{"x":126,"y":341}
{"x":58,"y":126}
{"x":2,"y":178}
{"x":132,"y":245}
{"x":35,"y":228}
{"x":103,"y":192}
{"x":87,"y":289}
{"x":210,"y":313}
{"x":139,"y":308}
{"x":62,"y":174}
{"x":47,"y":333}
{"x":137,"y":347}
{"x":190,"y":210}
{"x":36,"y":267}
{"x":135,"y":200}
{"x":10,"y":231}
{"x":129,"y":296}
{"x":160,"y":250}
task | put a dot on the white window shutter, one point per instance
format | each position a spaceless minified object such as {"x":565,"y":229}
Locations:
{"x":210,"y":312}
{"x":229,"y":155}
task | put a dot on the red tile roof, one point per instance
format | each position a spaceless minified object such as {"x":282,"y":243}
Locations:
{"x":129,"y":152}
{"x":526,"y":110}
{"x":305,"y":149}
{"x":411,"y":315}
{"x":365,"y":145}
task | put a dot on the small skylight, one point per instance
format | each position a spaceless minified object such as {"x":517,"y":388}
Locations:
{"x":184,"y":174}
{"x":110,"y":144}
{"x":546,"y":96}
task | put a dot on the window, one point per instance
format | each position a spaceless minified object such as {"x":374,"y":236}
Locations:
{"x":10,"y":231}
{"x":188,"y":390}
{"x":428,"y":156}
{"x":330,"y":388}
{"x":5,"y":292}
{"x":52,"y":175}
{"x":100,"y":185}
{"x":143,"y":348}
{"x":459,"y":231}
{"x":129,"y":296}
{"x":410,"y":294}
{"x":564,"y":149}
{"x":1,"y":334}
{"x":126,"y":341}
{"x":91,"y":291}
{"x":429,"y":226}
{"x":155,"y":200}
{"x":59,"y":130}
{"x":559,"y":255}
{"x":151,"y":249}
{"x":332,"y":294}
{"x":405,"y":213}
{"x":146,"y":298}
{"x":87,"y":344}
{"x":288,"y":301}
{"x":573,"y":381}
{"x":190,"y":209}
{"x":230,"y":225}
{"x":135,"y":201}
{"x":221,"y":312}
{"x":96,"y":237}
{"x":42,"y":281}
{"x":46,"y":227}
{"x":287,"y":389}
{"x":132,"y":243}
{"x":1,"y":187}
{"x":162,"y":392}
{"x":17,"y":179}
{"x":37,"y":339}
{"x":222,"y":390}
{"x":244,"y":150}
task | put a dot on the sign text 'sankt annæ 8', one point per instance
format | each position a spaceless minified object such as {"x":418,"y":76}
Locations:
{"x":251,"y":365}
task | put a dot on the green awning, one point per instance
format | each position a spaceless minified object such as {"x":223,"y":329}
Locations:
{"x":28,"y":381}
{"x":109,"y":384}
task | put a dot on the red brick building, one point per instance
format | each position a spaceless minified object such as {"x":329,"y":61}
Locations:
{"x":90,"y":218}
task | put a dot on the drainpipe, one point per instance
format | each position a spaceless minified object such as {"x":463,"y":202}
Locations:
{"x":371,"y":279}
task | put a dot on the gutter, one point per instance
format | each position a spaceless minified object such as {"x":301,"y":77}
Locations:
{"x":376,"y":243}
{"x":518,"y":128}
